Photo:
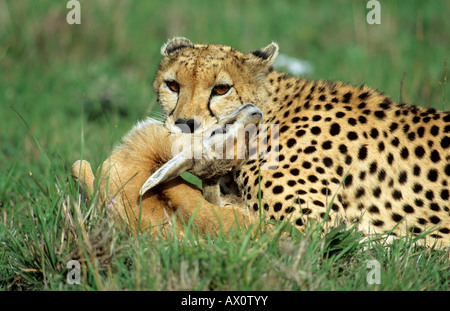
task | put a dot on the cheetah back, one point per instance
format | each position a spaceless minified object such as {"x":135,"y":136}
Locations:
{"x":356,"y":153}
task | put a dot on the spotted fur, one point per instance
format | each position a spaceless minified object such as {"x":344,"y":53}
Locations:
{"x":347,"y":152}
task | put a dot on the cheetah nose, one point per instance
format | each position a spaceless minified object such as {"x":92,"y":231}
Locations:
{"x":187,"y":126}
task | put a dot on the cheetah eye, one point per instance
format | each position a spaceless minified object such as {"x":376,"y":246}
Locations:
{"x":173,"y":86}
{"x":221,"y":89}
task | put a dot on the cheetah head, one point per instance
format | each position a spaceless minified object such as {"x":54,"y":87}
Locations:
{"x":198,"y":84}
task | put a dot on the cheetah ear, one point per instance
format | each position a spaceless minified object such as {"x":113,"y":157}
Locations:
{"x":175,"y":44}
{"x":267,"y":54}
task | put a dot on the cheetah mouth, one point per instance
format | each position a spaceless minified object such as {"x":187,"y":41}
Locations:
{"x":243,"y":116}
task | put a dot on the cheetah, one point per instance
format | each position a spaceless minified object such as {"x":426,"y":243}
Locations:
{"x":345,"y":153}
{"x":141,"y":186}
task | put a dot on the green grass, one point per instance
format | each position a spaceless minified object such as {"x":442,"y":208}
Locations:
{"x":68,"y":92}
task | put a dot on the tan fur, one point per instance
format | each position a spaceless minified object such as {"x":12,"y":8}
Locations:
{"x":165,"y":207}
{"x":348,"y":152}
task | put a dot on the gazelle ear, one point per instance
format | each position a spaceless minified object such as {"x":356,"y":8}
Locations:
{"x":175,"y":44}
{"x":170,"y":170}
{"x":266,"y":55}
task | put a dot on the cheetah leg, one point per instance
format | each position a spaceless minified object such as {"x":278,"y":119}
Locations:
{"x":208,"y":217}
